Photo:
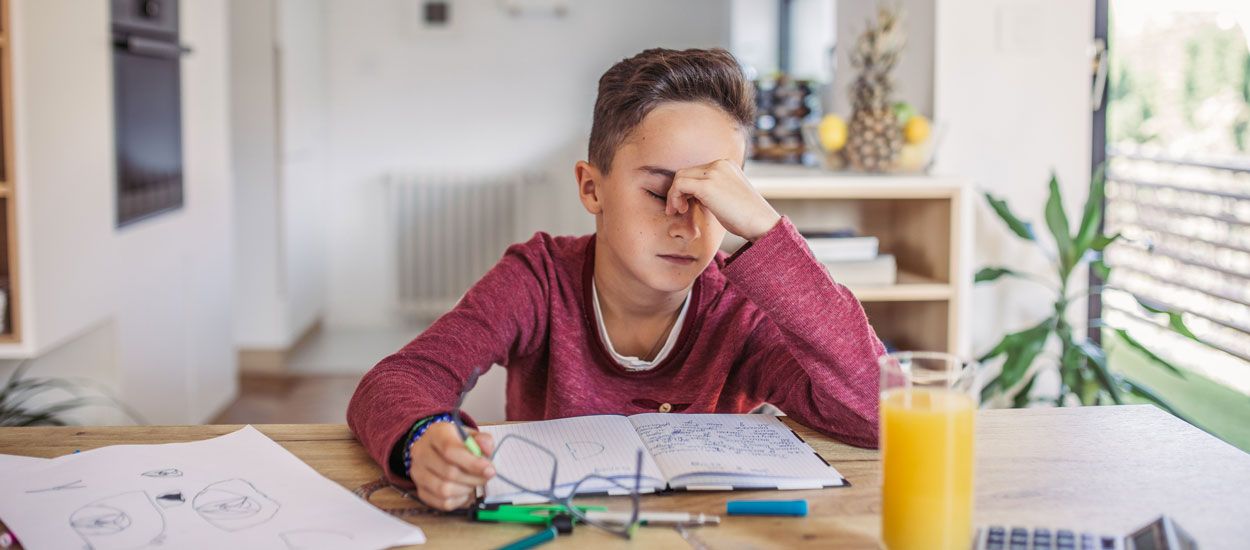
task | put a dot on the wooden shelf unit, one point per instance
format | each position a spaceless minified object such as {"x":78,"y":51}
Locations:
{"x":924,"y":221}
{"x":12,"y":333}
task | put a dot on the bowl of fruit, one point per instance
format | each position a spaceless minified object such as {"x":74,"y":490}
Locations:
{"x":898,"y":141}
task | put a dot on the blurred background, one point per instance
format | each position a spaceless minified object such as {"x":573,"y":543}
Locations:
{"x":229,"y":210}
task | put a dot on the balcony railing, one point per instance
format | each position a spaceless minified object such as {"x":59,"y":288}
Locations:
{"x":1186,"y":225}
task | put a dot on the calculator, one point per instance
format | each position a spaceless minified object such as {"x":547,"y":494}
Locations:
{"x":1160,"y":534}
{"x":997,"y":537}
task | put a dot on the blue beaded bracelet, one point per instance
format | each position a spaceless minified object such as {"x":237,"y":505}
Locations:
{"x":416,"y":434}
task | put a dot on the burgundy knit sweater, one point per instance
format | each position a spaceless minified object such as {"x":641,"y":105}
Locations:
{"x":765,"y":325}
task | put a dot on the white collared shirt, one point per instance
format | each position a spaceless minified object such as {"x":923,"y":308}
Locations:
{"x":634,"y":363}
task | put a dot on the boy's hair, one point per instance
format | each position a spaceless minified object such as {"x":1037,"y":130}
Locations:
{"x":633,"y":87}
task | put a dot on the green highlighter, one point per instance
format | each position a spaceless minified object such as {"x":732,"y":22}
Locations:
{"x":540,"y":514}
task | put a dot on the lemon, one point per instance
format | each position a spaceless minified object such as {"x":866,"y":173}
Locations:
{"x":916,"y":130}
{"x":832,"y":132}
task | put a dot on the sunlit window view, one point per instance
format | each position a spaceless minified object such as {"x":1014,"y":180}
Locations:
{"x":1178,"y":171}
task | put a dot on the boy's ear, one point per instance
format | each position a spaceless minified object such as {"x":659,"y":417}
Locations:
{"x":588,"y":190}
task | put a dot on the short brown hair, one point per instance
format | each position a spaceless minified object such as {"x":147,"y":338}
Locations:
{"x":633,"y":87}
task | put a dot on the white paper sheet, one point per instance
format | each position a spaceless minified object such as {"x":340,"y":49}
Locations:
{"x":8,"y":462}
{"x":604,"y":444}
{"x":237,"y":491}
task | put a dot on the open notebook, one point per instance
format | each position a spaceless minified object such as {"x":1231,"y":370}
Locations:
{"x":680,"y":452}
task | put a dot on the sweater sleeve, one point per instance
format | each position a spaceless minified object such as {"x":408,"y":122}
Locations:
{"x":501,"y":316}
{"x":813,"y":355}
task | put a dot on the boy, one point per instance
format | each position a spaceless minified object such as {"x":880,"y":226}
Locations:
{"x":644,"y":315}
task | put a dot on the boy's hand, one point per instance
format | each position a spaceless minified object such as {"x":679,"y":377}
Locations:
{"x":445,"y":472}
{"x":724,"y":190}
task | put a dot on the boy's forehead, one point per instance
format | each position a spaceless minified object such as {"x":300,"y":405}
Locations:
{"x":680,"y":135}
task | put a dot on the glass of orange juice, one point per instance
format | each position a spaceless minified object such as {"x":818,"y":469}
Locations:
{"x":928,"y":402}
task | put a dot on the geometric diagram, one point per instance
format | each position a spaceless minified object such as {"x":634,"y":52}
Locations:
{"x":584,"y":449}
{"x":234,"y":504}
{"x":128,"y":520}
{"x":169,"y":499}
{"x":76,"y":484}
{"x":313,"y":539}
{"x":167,"y":472}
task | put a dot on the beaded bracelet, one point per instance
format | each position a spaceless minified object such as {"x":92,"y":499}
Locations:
{"x":417,"y":431}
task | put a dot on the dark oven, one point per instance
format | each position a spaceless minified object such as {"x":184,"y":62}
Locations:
{"x":147,"y":107}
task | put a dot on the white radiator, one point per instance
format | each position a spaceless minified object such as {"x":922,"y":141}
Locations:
{"x":449,"y":230}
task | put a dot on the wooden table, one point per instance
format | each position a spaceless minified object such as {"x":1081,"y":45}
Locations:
{"x":1103,"y":469}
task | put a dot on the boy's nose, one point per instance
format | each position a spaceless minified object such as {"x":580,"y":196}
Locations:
{"x":686,"y":226}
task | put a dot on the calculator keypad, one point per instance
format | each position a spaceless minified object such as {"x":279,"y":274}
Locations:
{"x":997,"y":537}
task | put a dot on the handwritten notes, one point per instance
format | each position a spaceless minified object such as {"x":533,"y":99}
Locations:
{"x":742,"y":445}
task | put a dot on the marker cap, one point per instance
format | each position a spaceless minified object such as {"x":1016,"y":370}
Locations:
{"x":767,"y":507}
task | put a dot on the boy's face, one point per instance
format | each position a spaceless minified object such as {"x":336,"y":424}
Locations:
{"x":665,"y":253}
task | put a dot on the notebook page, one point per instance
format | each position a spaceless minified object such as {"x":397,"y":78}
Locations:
{"x":744,"y":447}
{"x":603,"y":444}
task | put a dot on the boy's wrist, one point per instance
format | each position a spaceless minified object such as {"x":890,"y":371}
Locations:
{"x":766,"y":224}
{"x":401,"y":456}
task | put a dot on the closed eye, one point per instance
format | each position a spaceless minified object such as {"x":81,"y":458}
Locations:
{"x":656,"y":195}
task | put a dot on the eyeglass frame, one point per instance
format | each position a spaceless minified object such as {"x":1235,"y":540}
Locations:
{"x":624,"y":530}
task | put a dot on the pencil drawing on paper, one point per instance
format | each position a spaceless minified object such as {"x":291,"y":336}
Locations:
{"x":128,"y":520}
{"x":584,"y":449}
{"x":76,"y":484}
{"x":169,"y":499}
{"x":314,"y":539}
{"x":234,"y":504}
{"x":167,"y":472}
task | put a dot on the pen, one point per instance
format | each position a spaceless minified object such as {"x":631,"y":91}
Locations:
{"x":469,"y":442}
{"x":546,"y":535}
{"x":655,"y":518}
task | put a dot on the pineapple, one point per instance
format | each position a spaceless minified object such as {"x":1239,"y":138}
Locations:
{"x":875,"y":137}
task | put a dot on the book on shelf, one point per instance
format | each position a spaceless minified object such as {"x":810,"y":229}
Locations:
{"x":879,"y":271}
{"x":841,"y":245}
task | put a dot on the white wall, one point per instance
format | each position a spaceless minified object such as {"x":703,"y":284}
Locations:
{"x":491,"y":93}
{"x":1013,"y":86}
{"x":146,"y":309}
{"x":279,"y":116}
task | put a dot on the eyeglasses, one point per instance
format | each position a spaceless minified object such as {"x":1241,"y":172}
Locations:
{"x":527,"y":451}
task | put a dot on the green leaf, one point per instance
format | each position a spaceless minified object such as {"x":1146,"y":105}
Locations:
{"x":1106,"y":379}
{"x":1057,"y":221}
{"x":1133,"y":343}
{"x":1014,"y":339}
{"x":1175,"y":320}
{"x":1024,"y":349}
{"x":1092,"y":218}
{"x":1021,"y":399}
{"x":1100,"y":268}
{"x":992,"y":273}
{"x":1150,"y":395}
{"x":1101,"y":242}
{"x":992,"y":387}
{"x":1020,"y":228}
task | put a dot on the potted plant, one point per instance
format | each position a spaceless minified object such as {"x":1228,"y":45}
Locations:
{"x":1082,"y":363}
{"x":21,"y":405}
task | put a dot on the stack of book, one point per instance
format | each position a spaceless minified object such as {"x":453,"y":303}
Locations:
{"x":852,"y":259}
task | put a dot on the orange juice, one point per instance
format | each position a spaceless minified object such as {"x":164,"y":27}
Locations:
{"x":926,"y":450}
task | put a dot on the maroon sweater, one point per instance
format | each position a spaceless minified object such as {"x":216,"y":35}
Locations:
{"x":765,"y":325}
